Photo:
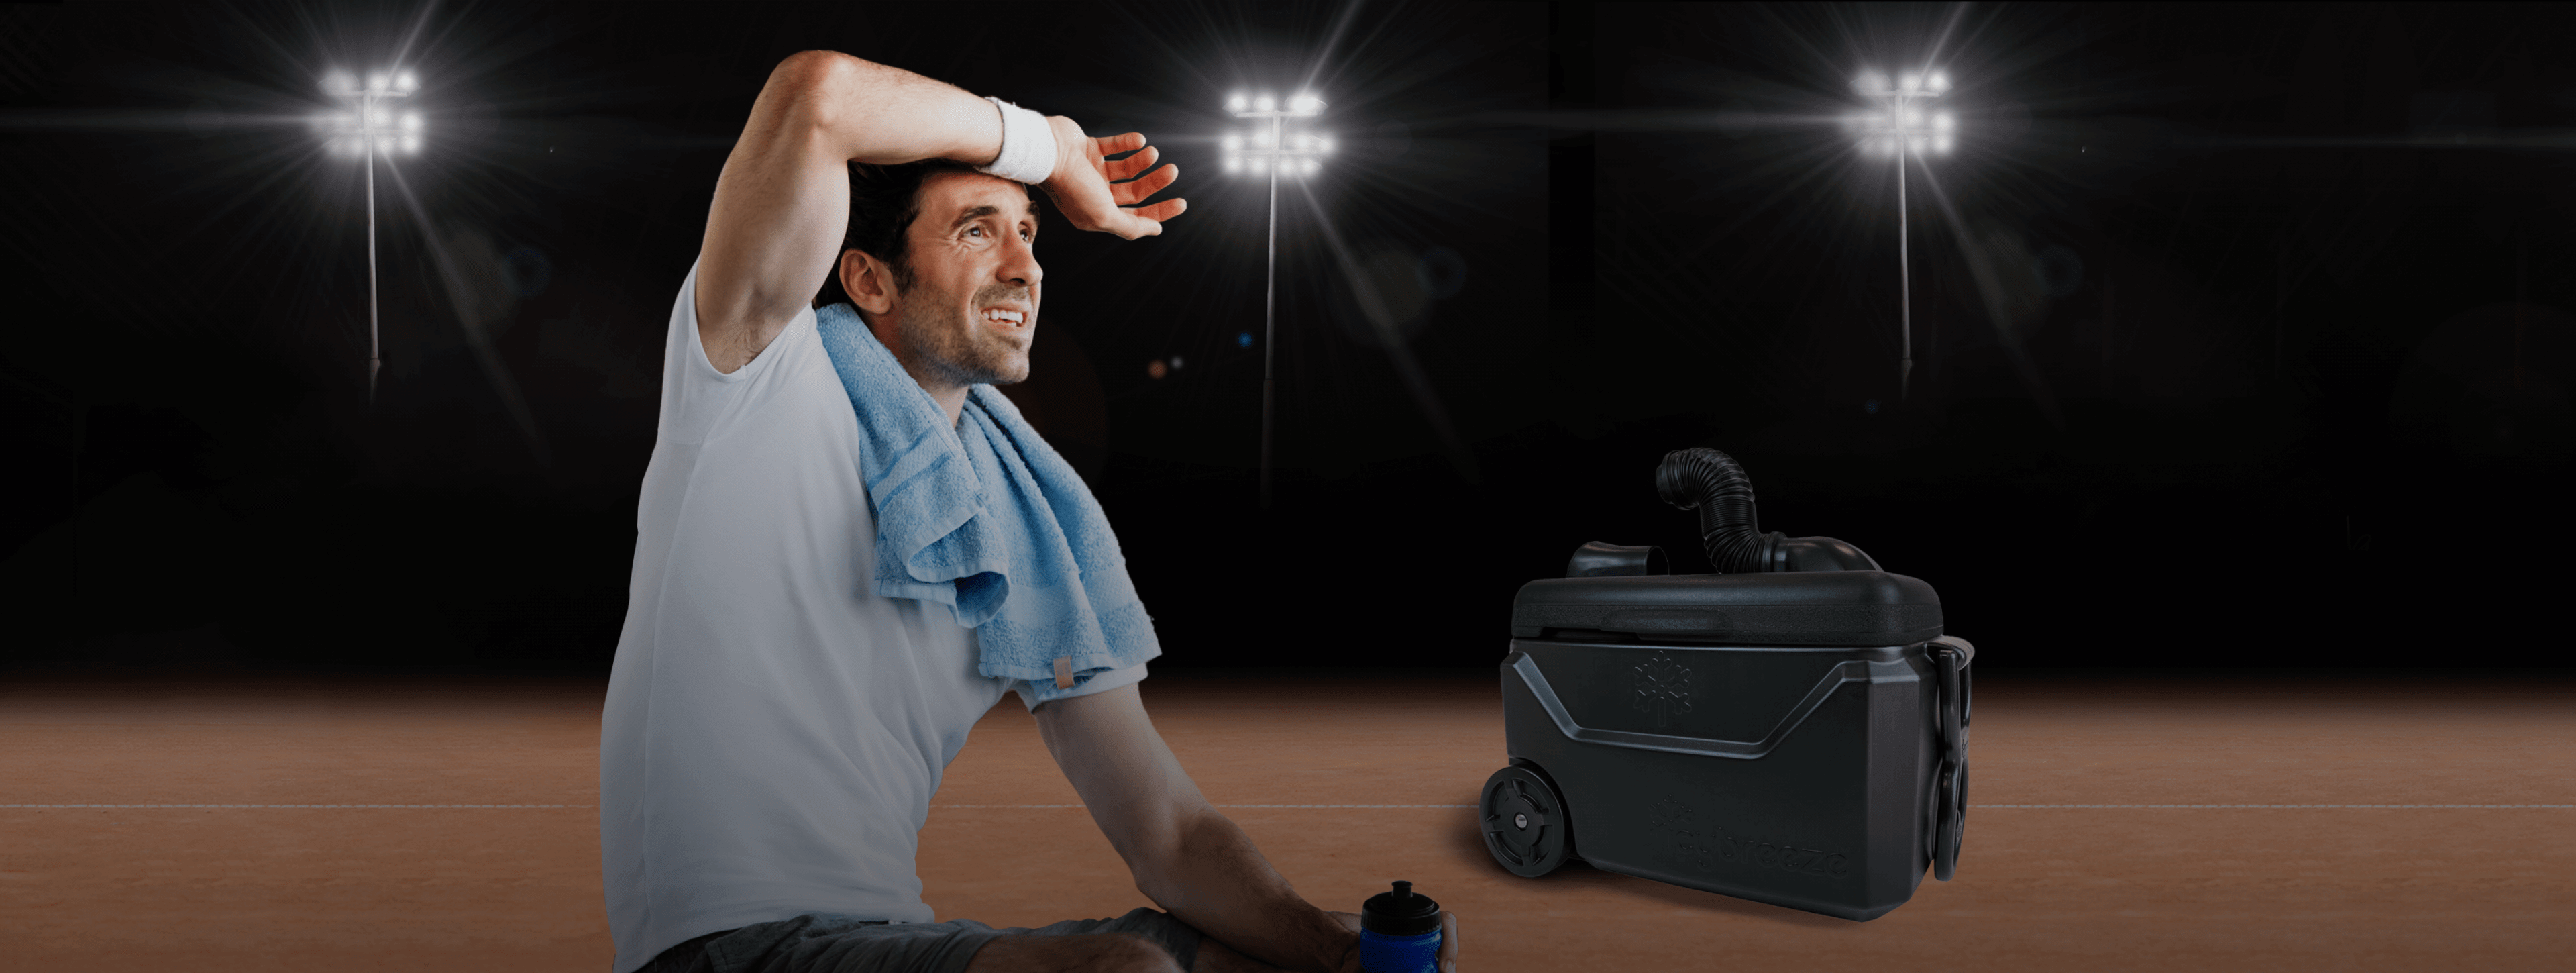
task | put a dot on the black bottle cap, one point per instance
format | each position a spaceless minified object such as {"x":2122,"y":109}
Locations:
{"x":1400,"y":913}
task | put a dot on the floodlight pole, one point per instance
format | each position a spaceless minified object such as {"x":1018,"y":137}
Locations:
{"x":374,"y":135}
{"x":1272,"y":155}
{"x":1904,"y":282}
{"x":375,"y":358}
{"x":1906,"y":135}
{"x":1269,"y":313}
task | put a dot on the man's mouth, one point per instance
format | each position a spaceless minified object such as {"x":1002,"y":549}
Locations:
{"x":1003,"y":315}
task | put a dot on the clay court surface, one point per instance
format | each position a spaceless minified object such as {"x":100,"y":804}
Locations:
{"x":2058,"y":886}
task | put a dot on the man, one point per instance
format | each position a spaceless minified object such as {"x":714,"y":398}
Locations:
{"x":776,"y":724}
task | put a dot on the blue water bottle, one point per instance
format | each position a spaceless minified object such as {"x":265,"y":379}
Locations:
{"x":1400,"y":932}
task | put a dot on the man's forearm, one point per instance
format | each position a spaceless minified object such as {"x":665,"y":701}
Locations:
{"x":874,"y":113}
{"x":1216,"y":880}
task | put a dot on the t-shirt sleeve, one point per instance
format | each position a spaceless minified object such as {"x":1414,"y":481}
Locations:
{"x":1097,"y":684}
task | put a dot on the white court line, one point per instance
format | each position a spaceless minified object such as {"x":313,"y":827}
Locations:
{"x":1320,"y":806}
{"x":302,"y":805}
{"x":2195,"y":806}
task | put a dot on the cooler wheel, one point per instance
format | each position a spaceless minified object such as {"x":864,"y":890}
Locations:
{"x":1524,"y":822}
{"x":1952,"y":798}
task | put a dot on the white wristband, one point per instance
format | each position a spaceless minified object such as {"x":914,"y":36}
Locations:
{"x":1028,"y":146}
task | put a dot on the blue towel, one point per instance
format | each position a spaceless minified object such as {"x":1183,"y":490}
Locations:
{"x":988,"y":520}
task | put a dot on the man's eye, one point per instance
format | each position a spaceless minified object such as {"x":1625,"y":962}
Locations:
{"x":974,"y":230}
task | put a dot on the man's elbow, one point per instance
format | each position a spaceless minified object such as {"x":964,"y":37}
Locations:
{"x":805,"y":84}
{"x":1162,"y":858}
{"x":1154,"y":858}
{"x":806,"y":72}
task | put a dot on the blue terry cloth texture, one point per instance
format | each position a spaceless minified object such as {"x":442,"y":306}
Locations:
{"x":987,"y":519}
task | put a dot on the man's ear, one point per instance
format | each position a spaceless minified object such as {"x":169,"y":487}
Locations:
{"x":868,"y":281}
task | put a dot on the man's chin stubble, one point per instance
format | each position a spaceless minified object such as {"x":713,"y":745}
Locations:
{"x":965,"y":360}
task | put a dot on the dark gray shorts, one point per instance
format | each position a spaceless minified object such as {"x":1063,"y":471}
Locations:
{"x":839,"y":944}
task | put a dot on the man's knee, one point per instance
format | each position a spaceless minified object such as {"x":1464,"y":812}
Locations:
{"x":1097,"y":953}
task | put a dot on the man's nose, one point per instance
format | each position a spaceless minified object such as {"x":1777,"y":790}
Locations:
{"x":1020,"y":264}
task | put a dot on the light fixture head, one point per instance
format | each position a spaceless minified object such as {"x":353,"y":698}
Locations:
{"x":411,"y":144}
{"x":339,"y":83}
{"x":406,"y":82}
{"x":412,"y":121}
{"x":1910,"y":83}
{"x":1302,"y":140}
{"x":1233,"y":164}
{"x":1233,"y":143}
{"x":1870,"y":83}
{"x":376,"y":82}
{"x":1326,"y":142}
{"x":1260,"y":136}
{"x":1263,"y":103}
{"x":1236,"y":103}
{"x":1941,"y":145}
{"x":1940,"y":81}
{"x":1305,"y":103}
{"x":1313,"y":167}
{"x":1941,"y":122}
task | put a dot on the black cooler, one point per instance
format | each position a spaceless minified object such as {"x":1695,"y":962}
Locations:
{"x":1792,"y":731}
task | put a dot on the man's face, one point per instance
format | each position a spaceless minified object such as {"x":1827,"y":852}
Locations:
{"x":972,"y":310}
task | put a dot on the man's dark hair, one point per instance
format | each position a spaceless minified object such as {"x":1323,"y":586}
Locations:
{"x":884,"y":200}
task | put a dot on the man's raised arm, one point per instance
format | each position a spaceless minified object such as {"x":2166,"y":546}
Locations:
{"x":784,"y":199}
{"x":783,"y":202}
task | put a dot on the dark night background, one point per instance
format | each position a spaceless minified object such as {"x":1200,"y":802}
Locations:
{"x":2241,"y":331}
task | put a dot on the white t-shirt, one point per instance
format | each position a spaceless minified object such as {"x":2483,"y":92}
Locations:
{"x":774,"y":728}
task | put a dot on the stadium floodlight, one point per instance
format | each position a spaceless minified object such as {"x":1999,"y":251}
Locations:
{"x":372,"y":130}
{"x":1272,"y":152}
{"x":1899,"y":129}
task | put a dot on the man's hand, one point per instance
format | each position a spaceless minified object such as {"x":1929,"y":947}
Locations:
{"x":1448,"y":940}
{"x":1090,"y":188}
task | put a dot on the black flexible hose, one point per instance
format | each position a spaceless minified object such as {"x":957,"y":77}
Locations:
{"x":1703,"y":478}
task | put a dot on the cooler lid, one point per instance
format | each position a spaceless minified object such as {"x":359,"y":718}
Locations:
{"x":1786,"y":608}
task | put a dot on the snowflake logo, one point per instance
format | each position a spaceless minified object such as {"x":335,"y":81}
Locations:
{"x":1663,"y":689}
